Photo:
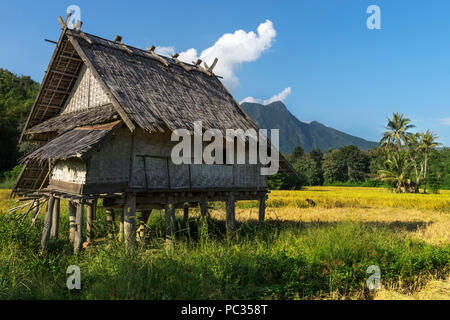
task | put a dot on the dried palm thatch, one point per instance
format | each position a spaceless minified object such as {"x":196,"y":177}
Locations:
{"x":72,"y":144}
{"x":68,"y":121}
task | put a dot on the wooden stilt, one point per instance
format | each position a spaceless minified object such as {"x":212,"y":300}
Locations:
{"x":110,"y":222}
{"x":129,"y":222}
{"x":204,"y":207}
{"x":72,"y":223}
{"x":262,"y":211}
{"x":169,"y":212}
{"x":120,"y":237}
{"x":142,"y":221}
{"x":185,"y":214}
{"x":55,"y":219}
{"x":94,"y":210}
{"x":231,"y":213}
{"x":47,"y":223}
{"x":36,"y":208}
{"x":89,"y":222}
{"x":78,"y":243}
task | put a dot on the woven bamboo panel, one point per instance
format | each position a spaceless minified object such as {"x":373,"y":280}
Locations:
{"x":86,"y":93}
{"x":211,"y":176}
{"x":71,"y":170}
{"x":246,"y":175}
{"x":111,"y":162}
{"x":157,"y":174}
{"x":179,"y":176}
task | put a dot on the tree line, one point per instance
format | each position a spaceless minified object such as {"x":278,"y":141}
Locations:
{"x":404,"y":161}
{"x":17,"y":95}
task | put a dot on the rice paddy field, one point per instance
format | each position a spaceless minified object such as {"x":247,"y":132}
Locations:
{"x":304,"y":252}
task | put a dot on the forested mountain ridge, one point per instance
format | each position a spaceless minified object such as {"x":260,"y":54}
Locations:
{"x":17,"y":94}
{"x":294,"y":132}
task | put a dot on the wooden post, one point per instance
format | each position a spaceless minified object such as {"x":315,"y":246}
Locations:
{"x":203,"y":207}
{"x":169,"y":212}
{"x":231,"y":213}
{"x":186,"y":214}
{"x":262,"y":210}
{"x":120,"y":237}
{"x":94,"y":210}
{"x":55,"y":219}
{"x":47,"y":223}
{"x":129,"y":222}
{"x":145,"y":214}
{"x":36,"y":208}
{"x":89,"y":222}
{"x":110,"y":222}
{"x":72,"y":223}
{"x":78,"y":243}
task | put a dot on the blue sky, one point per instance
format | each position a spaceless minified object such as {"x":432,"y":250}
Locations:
{"x":340,"y":73}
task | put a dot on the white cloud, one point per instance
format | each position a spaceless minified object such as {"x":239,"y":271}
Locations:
{"x":278,"y":97}
{"x":165,"y":51}
{"x":251,"y":100}
{"x":233,"y":49}
{"x":445,"y":121}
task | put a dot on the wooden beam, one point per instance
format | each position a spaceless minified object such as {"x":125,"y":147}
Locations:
{"x":55,"y":219}
{"x":47,"y":224}
{"x":72,"y":75}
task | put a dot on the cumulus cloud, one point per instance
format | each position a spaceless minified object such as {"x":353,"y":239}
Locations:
{"x":445,"y":121}
{"x":165,"y":51}
{"x":251,"y":100}
{"x":278,"y":97}
{"x":232,"y":49}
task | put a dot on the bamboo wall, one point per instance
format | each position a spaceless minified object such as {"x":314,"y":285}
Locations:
{"x":86,"y":93}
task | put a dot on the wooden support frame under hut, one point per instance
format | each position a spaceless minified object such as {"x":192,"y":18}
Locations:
{"x":103,"y":120}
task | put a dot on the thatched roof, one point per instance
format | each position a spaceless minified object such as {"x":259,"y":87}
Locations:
{"x":68,"y":121}
{"x":145,"y":92}
{"x":75,"y":143}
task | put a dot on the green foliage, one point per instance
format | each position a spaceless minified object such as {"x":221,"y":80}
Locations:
{"x":345,"y":164}
{"x":282,"y":181}
{"x":16,"y":98}
{"x":9,"y":177}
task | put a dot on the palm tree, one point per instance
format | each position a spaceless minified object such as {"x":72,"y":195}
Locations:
{"x":427,"y":143}
{"x":397,"y":128}
{"x":416,"y":158}
{"x":396,"y":171}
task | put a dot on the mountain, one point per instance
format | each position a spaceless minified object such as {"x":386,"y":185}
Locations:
{"x":294,"y":132}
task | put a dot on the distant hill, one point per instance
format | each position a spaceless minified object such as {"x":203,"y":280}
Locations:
{"x":294,"y":132}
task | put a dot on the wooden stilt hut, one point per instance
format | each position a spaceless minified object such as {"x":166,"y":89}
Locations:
{"x":103,"y":120}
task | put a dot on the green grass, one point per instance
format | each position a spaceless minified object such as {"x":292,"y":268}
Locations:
{"x":290,"y":260}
